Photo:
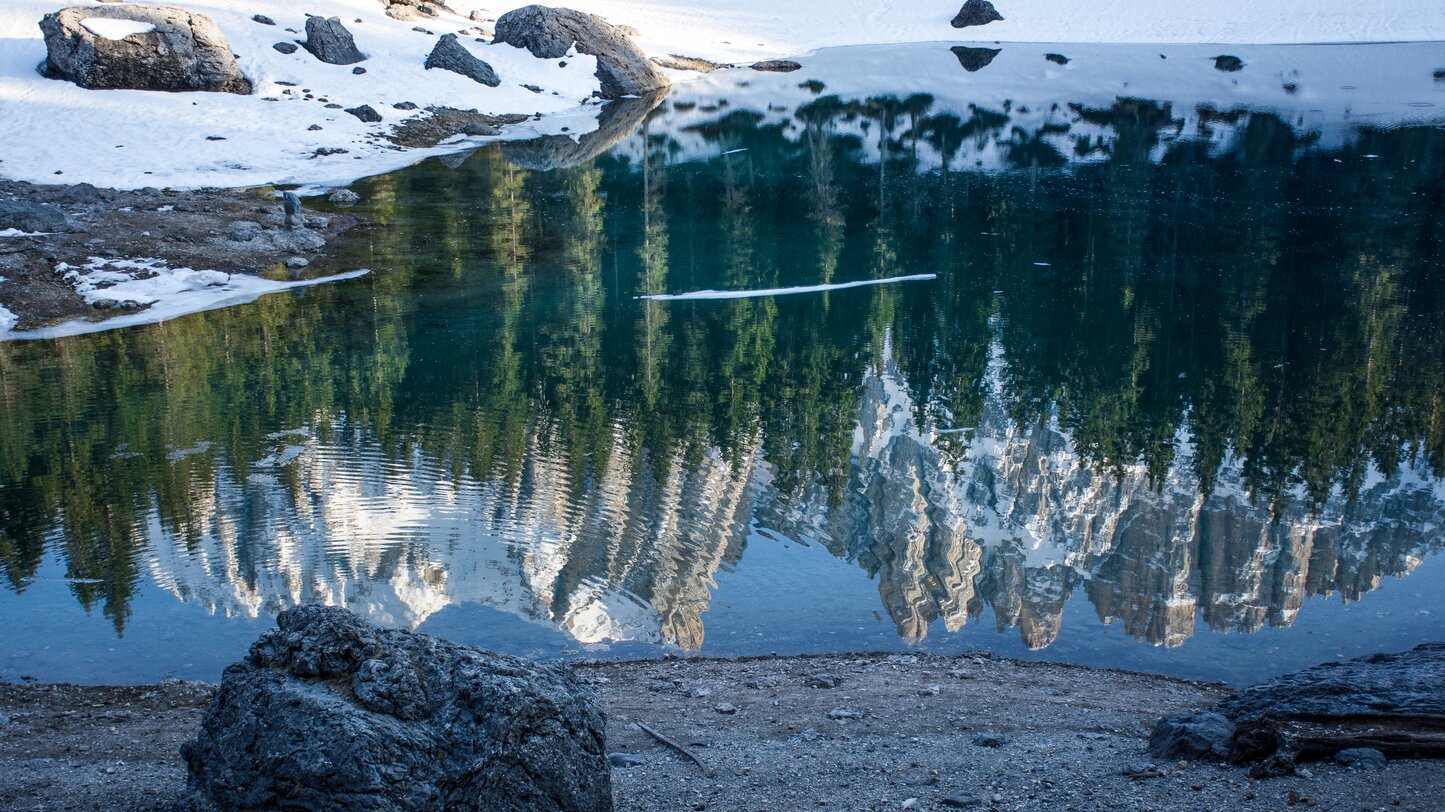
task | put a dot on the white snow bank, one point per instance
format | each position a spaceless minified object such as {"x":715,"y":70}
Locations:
{"x":169,"y":292}
{"x":15,"y":232}
{"x":56,"y":132}
{"x":7,"y":319}
{"x":764,"y":292}
{"x":111,"y":28}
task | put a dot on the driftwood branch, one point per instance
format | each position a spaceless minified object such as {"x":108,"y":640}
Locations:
{"x":678,"y":747}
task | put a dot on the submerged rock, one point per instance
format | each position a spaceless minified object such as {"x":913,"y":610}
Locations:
{"x":330,"y":41}
{"x":394,"y":720}
{"x":449,"y":54}
{"x":550,"y":33}
{"x":776,"y":65}
{"x":976,"y":12}
{"x":975,"y":59}
{"x":1228,"y":64}
{"x":140,"y":48}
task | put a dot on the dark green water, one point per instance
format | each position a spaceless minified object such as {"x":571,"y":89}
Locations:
{"x":1163,"y":404}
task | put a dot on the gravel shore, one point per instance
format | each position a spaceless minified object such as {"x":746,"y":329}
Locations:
{"x":838,"y":732}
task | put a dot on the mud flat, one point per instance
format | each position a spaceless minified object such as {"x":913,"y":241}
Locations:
{"x":892,"y":732}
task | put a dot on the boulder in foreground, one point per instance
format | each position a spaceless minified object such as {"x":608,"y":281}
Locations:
{"x":330,"y":41}
{"x":1390,"y":703}
{"x":549,"y":33}
{"x":329,"y":712}
{"x":139,"y":47}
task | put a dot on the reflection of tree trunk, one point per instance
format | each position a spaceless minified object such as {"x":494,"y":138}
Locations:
{"x":617,"y":120}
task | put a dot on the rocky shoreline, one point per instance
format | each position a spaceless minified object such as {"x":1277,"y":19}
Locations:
{"x":54,"y":237}
{"x":842,"y":732}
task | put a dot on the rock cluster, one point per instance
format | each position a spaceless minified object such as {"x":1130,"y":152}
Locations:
{"x":550,"y":33}
{"x":329,"y":712}
{"x":139,"y":47}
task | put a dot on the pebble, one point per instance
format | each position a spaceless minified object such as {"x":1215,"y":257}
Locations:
{"x":1360,"y":758}
{"x":844,"y":713}
{"x":297,"y":262}
{"x":625,"y":760}
{"x":726,"y":708}
{"x":989,"y":740}
{"x":961,"y":801}
{"x":823,"y":681}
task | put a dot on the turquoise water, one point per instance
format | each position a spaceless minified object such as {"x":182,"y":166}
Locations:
{"x":1141,"y":385}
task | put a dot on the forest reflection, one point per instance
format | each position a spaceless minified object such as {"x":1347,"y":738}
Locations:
{"x":1199,"y":379}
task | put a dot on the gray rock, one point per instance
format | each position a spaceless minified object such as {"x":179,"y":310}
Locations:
{"x":961,"y":800}
{"x":975,"y":12}
{"x":406,"y":105}
{"x":625,"y":760}
{"x":1410,"y":683}
{"x":329,"y":41}
{"x":83,"y":194}
{"x":450,"y":54}
{"x":365,"y":113}
{"x":550,"y":33}
{"x":480,"y":129}
{"x":104,"y":304}
{"x":344,"y":197}
{"x":27,"y":216}
{"x":358,"y":70}
{"x":726,"y":708}
{"x":296,"y":264}
{"x":1192,"y":736}
{"x":991,"y":740}
{"x":1361,"y":758}
{"x":263,"y":19}
{"x":844,"y":713}
{"x":776,"y":66}
{"x":286,"y":47}
{"x":398,"y":721}
{"x":823,"y":681}
{"x":243,"y":231}
{"x":1228,"y":64}
{"x":1057,"y":59}
{"x":293,"y":240}
{"x":291,"y":208}
{"x":184,"y":51}
{"x":975,"y":59}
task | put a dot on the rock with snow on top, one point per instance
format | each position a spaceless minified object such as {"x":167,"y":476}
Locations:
{"x":449,"y":54}
{"x":139,"y":47}
{"x":550,"y":33}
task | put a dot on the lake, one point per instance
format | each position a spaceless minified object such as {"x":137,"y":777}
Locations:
{"x":1142,"y":367}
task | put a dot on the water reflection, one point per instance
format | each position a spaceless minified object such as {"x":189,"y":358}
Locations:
{"x":1191,"y":364}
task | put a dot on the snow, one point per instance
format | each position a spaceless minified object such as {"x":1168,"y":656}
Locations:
{"x":7,"y":319}
{"x":56,"y":132}
{"x":111,"y":28}
{"x":169,"y":291}
{"x":15,"y":232}
{"x":753,"y":294}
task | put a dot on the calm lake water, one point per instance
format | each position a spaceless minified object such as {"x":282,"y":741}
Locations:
{"x":1162,"y":387}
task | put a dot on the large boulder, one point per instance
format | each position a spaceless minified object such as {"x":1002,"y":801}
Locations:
{"x":549,"y":33}
{"x":330,"y":41}
{"x":42,"y":218}
{"x":140,"y":48}
{"x":450,"y":54}
{"x":1393,"y":703}
{"x":329,"y":712}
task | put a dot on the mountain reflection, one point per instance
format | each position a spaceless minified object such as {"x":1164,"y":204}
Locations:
{"x":1190,"y":364}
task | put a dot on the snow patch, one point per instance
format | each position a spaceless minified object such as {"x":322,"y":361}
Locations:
{"x":117,"y":29}
{"x":752,"y":294}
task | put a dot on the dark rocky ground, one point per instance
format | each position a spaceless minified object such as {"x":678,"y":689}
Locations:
{"x":195,"y":229}
{"x":894,"y":732}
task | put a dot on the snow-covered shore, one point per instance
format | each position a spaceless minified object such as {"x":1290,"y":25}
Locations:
{"x":56,"y":132}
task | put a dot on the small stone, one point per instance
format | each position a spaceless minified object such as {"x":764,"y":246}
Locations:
{"x":263,"y":19}
{"x":406,"y":105}
{"x":776,"y":66}
{"x":243,"y":231}
{"x":286,"y":47}
{"x":313,"y":128}
{"x":975,"y":12}
{"x":989,"y":740}
{"x":929,"y":690}
{"x":625,"y":760}
{"x":1361,"y":758}
{"x":909,"y":803}
{"x":1057,"y":59}
{"x":700,"y":692}
{"x":726,"y":708}
{"x":103,"y":304}
{"x":344,"y":197}
{"x":844,"y":713}
{"x":960,"y":800}
{"x":823,"y":681}
{"x":358,"y":70}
